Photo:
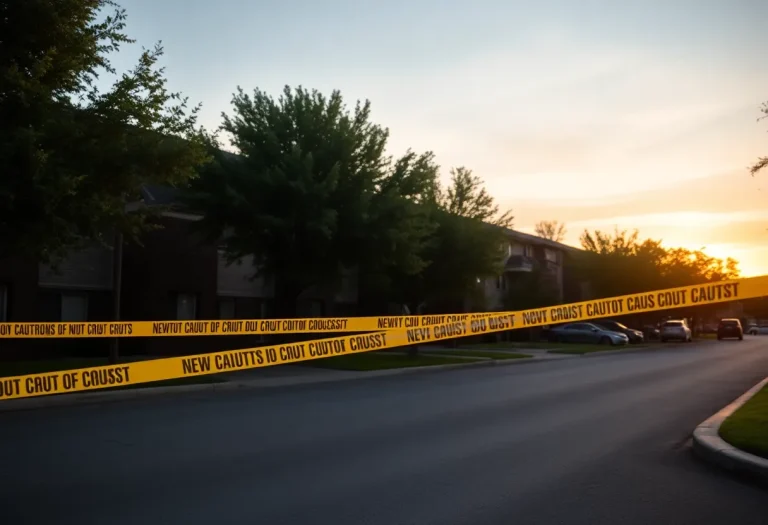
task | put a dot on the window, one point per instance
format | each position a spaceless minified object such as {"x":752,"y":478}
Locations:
{"x":498,"y":282}
{"x":528,"y":250}
{"x":74,"y":308}
{"x":227,"y":308}
{"x":3,"y":303}
{"x":186,"y":306}
{"x":550,"y":255}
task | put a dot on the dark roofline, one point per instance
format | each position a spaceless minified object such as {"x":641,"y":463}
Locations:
{"x":535,"y":239}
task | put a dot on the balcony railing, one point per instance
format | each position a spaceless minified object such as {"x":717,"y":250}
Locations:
{"x":519,"y":263}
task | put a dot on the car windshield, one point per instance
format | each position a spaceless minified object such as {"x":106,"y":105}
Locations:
{"x":728,"y":323}
{"x":673,"y":323}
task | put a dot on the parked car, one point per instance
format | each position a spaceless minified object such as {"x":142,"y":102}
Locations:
{"x":677,"y":330}
{"x":634,"y":336}
{"x":586,"y":333}
{"x":729,"y":328}
{"x":761,"y":329}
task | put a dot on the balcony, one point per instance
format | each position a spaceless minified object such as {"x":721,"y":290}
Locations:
{"x":518,"y":263}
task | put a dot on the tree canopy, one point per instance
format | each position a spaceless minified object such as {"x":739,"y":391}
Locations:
{"x":312,"y":192}
{"x":622,"y":264}
{"x":74,"y":155}
{"x":465,"y":246}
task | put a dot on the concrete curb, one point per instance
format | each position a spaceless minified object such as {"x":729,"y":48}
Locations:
{"x":84,"y":398}
{"x":708,"y":445}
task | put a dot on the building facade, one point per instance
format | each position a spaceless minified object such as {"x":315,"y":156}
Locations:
{"x":173,"y":273}
{"x":526,"y":255}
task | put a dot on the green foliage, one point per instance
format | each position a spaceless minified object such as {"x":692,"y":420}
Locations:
{"x":466,"y":197}
{"x":622,"y":264}
{"x":465,"y":247}
{"x":73,"y":156}
{"x":527,"y":290}
{"x":312,"y":192}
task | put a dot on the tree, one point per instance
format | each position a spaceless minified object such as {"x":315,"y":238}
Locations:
{"x":761,"y":162}
{"x":73,"y":155}
{"x":551,"y":230}
{"x":530,"y":290}
{"x":467,"y":197}
{"x":466,"y":245}
{"x":621,"y":264}
{"x":401,"y":231}
{"x":311,"y":192}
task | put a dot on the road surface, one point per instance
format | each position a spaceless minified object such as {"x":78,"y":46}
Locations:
{"x":590,"y":441}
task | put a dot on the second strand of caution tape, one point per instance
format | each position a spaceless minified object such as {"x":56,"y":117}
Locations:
{"x":615,"y":306}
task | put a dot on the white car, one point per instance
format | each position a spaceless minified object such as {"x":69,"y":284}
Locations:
{"x":758,"y":330}
{"x":677,"y":330}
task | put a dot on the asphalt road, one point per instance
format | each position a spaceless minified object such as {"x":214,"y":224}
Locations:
{"x":601,"y":440}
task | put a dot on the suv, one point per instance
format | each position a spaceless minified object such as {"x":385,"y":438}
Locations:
{"x":729,"y":328}
{"x":676,"y":329}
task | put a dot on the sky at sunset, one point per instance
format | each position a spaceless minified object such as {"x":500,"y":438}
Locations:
{"x":594,"y":113}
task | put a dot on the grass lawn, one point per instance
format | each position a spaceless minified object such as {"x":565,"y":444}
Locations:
{"x":480,"y":353}
{"x":17,"y":368}
{"x":747,"y":428}
{"x":381,"y":361}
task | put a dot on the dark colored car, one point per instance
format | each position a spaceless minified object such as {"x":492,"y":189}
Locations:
{"x":586,"y":333}
{"x":634,"y":336}
{"x":729,"y":328}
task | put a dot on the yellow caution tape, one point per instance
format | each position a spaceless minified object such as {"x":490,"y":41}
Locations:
{"x":220,"y":327}
{"x":233,"y":360}
{"x":615,"y":306}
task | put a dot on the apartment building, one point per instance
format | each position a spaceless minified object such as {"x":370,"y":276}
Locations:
{"x":526,"y":253}
{"x":173,"y":273}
